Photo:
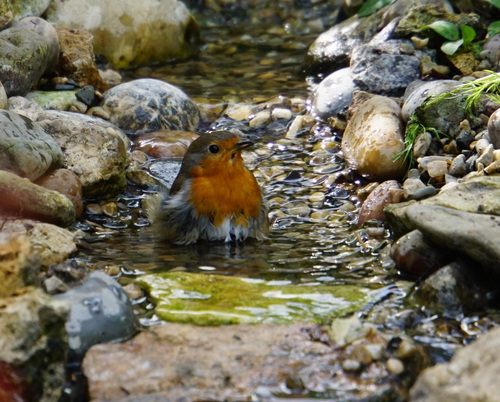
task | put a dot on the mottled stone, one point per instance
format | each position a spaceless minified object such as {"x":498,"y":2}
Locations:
{"x":19,"y":266}
{"x":33,"y":347}
{"x":23,"y":59}
{"x":94,"y":149}
{"x":146,"y":105}
{"x":23,"y":8}
{"x":373,"y":138}
{"x":47,"y":32}
{"x":26,"y":148}
{"x":52,"y":243}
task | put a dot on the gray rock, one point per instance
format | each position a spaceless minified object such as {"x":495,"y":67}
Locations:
{"x":23,"y":59}
{"x":26,"y":148}
{"x":145,"y":105}
{"x":95,"y":150}
{"x":463,"y":218}
{"x":451,"y":291}
{"x":47,"y":32}
{"x":494,"y":129}
{"x":386,"y":68}
{"x":333,"y":95}
{"x":100,"y":312}
{"x":421,"y":91}
{"x":33,"y":343}
{"x":23,"y":199}
{"x":470,"y":376}
{"x":332,"y":49}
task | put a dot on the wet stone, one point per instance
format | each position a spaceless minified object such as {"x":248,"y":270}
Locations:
{"x":100,"y":312}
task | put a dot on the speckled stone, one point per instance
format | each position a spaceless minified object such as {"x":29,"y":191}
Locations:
{"x":146,"y":105}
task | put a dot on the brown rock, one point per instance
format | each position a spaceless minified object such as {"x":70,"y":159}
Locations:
{"x":237,"y":362}
{"x":76,"y":59}
{"x":23,"y":199}
{"x":67,"y":183}
{"x":388,"y":192}
{"x":52,"y":243}
{"x":165,"y":143}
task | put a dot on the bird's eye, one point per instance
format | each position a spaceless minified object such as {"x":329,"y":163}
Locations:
{"x":213,"y":148}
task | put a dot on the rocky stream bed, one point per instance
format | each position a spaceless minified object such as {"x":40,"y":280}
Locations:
{"x":378,"y":155}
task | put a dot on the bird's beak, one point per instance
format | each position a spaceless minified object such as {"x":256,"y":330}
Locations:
{"x":241,"y":145}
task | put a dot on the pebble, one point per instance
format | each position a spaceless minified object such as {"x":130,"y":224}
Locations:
{"x":351,"y":365}
{"x":239,"y":112}
{"x":282,"y":113}
{"x":295,"y":127}
{"x":437,"y":168}
{"x":260,"y":119}
{"x":110,"y":209}
{"x":394,"y":366}
{"x":93,"y":209}
{"x":486,"y":156}
{"x":411,"y":186}
{"x":133,"y":291}
{"x":457,"y":167}
{"x":425,"y":192}
{"x":421,"y":144}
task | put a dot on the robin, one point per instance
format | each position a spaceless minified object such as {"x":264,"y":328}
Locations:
{"x":214,"y":196}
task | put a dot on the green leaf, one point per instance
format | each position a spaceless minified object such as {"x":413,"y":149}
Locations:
{"x":371,"y":6}
{"x":494,"y":28}
{"x":450,"y":48}
{"x":468,"y":33}
{"x":446,"y":29}
{"x":496,"y":3}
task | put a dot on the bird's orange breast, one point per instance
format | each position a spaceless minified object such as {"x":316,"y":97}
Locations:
{"x":220,"y":191}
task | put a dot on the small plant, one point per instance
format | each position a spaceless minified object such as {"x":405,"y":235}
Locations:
{"x":473,"y":91}
{"x":371,"y":6}
{"x":457,"y":36}
{"x":413,"y":128}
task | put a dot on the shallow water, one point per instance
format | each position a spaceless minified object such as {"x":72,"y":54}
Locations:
{"x":313,"y":240}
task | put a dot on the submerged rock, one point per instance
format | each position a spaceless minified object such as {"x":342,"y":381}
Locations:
{"x":217,"y":300}
{"x":373,"y":139}
{"x":26,"y":148}
{"x":146,"y":105}
{"x":100,"y":312}
{"x":131,"y":33}
{"x":470,"y":376}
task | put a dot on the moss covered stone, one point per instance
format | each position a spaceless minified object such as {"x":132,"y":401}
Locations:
{"x":218,"y":300}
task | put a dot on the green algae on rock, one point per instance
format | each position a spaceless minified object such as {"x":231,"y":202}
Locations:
{"x":220,"y":300}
